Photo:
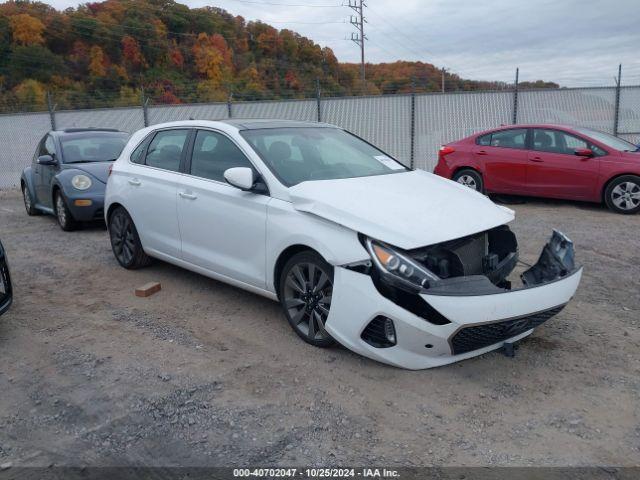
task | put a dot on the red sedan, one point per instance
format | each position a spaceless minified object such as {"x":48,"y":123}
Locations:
{"x":552,"y":161}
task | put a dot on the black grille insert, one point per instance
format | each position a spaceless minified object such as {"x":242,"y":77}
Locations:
{"x":375,"y":335}
{"x":479,"y":336}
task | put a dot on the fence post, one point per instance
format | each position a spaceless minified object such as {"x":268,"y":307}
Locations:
{"x":616,"y":114}
{"x":229,"y":99}
{"x":515,"y":99}
{"x":145,"y":111}
{"x":52,"y":110}
{"x":413,"y":125}
{"x":318,"y":100}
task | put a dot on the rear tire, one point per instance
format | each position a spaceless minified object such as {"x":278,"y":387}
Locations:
{"x":125,"y":241}
{"x":64,"y":216}
{"x":305,"y":289}
{"x":469,"y":178}
{"x":622,"y":194}
{"x":28,"y":203}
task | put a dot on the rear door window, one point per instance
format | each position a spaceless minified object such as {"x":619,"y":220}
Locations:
{"x":166,"y":148}
{"x":515,"y":138}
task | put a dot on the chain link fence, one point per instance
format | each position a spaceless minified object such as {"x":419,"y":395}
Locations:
{"x":411,"y":127}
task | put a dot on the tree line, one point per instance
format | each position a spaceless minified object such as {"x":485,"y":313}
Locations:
{"x":104,"y":54}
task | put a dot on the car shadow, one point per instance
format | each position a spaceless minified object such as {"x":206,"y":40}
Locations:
{"x":504,"y":199}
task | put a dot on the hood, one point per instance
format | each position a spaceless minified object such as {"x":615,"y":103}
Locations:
{"x":407,"y":210}
{"x":99,"y":170}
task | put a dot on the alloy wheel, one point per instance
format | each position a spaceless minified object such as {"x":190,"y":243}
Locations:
{"x":307,"y":299}
{"x":468,"y":181}
{"x":122,"y":237}
{"x":626,"y":196}
{"x":61,"y":211}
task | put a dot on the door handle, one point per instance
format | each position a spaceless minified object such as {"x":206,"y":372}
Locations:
{"x":135,"y":182}
{"x":482,"y":152}
{"x":536,"y":159}
{"x":188,"y":196}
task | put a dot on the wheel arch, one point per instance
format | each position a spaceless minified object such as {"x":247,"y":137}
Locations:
{"x":55,"y":187}
{"x":110,"y":210}
{"x":26,"y":180}
{"x":606,"y":184}
{"x":467,"y":167}
{"x":282,"y":259}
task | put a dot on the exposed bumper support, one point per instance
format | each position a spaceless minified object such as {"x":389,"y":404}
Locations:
{"x":482,"y":316}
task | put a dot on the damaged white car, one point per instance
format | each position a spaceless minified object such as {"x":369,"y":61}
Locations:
{"x":398,"y":265}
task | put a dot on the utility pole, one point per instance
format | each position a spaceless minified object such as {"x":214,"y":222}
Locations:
{"x":444,"y":70}
{"x":515,"y":97}
{"x":359,"y":37}
{"x":616,"y":113}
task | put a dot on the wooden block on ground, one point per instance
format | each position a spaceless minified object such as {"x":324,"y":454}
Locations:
{"x":148,"y":289}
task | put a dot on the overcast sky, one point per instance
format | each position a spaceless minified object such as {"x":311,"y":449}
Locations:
{"x":572,"y":42}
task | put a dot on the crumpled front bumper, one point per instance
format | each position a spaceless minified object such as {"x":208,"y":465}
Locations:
{"x":479,"y":319}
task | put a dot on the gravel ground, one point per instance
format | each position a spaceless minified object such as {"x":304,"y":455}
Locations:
{"x":206,"y":374}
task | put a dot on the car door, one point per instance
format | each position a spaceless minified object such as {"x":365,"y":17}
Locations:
{"x":503,"y":156}
{"x":223,"y":228}
{"x":44,"y":173}
{"x":554,"y":170}
{"x":152,"y":181}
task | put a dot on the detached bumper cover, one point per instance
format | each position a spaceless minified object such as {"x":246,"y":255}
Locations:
{"x":481,"y":317}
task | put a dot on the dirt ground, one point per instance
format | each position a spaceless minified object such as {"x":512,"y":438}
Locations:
{"x":204,"y":374}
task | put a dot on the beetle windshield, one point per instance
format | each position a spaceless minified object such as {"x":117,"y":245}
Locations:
{"x":298,"y":154}
{"x":92,"y":146}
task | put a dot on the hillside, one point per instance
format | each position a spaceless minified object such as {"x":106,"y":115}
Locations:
{"x":104,"y":53}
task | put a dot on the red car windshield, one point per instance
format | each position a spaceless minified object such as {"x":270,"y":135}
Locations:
{"x":609,"y":140}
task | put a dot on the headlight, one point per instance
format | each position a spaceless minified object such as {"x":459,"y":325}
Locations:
{"x":398,"y":269}
{"x":81,"y":182}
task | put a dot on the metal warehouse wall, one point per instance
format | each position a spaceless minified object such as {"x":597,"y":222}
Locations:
{"x":410,"y":127}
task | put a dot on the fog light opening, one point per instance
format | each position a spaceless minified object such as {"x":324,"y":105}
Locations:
{"x":390,"y":331}
{"x":380,"y":333}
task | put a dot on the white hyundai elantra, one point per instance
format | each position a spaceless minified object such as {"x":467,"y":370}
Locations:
{"x":399,"y":265}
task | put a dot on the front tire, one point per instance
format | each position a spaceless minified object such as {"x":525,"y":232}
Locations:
{"x":63,"y":214}
{"x":622,"y":195}
{"x":28,"y":203}
{"x":469,"y":178}
{"x":306,"y":287}
{"x":125,"y":241}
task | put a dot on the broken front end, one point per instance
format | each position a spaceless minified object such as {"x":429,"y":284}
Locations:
{"x":453,"y":300}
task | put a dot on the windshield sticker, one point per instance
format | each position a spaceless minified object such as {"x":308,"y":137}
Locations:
{"x":388,"y":162}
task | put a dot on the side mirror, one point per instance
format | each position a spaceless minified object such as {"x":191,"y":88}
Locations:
{"x":47,"y":160}
{"x":240,"y":177}
{"x":583,"y":152}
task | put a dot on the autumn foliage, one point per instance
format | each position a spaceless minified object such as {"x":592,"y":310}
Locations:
{"x":106,"y":53}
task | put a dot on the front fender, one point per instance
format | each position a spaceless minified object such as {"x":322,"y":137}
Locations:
{"x":287,"y":227}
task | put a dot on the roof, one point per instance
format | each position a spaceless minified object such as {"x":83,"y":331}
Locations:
{"x":89,"y":129}
{"x":254,"y":124}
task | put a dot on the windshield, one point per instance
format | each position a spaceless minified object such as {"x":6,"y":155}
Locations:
{"x":299,"y":154}
{"x":609,"y":140}
{"x":92,"y":146}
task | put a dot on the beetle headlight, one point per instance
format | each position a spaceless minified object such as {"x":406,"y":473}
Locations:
{"x":398,"y":268}
{"x":81,"y":182}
